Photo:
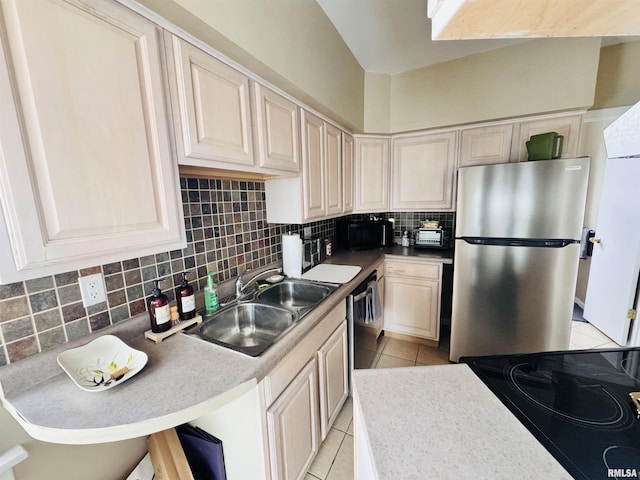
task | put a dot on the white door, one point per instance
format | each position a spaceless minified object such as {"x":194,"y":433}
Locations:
{"x":613,"y":277}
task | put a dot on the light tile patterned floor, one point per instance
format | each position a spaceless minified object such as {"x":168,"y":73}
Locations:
{"x":335,"y":458}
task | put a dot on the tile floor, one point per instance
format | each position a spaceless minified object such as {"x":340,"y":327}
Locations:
{"x":335,"y":458}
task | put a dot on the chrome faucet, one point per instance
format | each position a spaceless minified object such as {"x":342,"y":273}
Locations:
{"x":241,"y":285}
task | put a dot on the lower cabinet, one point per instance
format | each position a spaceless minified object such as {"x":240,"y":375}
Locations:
{"x":292,"y":423}
{"x":412,"y":298}
{"x":303,"y":396}
{"x":333,"y":378}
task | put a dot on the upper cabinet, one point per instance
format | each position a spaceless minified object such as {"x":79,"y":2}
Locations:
{"x":347,"y":173}
{"x":565,"y":125}
{"x":211,"y":108}
{"x":83,"y":139}
{"x":317,"y":193}
{"x":423,"y":172}
{"x":314,"y":178}
{"x":485,"y":145}
{"x":277,"y":130}
{"x":333,"y":170}
{"x":371,"y":174}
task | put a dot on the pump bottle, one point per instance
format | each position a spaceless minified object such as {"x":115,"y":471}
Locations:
{"x":185,"y":299}
{"x":158,"y":306}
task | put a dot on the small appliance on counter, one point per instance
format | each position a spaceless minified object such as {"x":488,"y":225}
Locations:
{"x":364,"y":234}
{"x":433,"y":237}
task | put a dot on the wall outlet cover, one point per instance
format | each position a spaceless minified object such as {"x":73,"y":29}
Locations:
{"x":92,"y":289}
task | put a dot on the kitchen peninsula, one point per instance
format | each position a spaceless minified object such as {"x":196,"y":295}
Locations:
{"x":185,"y":378}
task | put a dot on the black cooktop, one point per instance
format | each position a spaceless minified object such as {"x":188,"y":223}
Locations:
{"x":575,"y":403}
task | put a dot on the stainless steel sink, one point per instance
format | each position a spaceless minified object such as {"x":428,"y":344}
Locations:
{"x":298,"y":295}
{"x":249,"y":328}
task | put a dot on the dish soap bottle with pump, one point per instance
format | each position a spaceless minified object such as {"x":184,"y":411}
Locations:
{"x":158,"y":306}
{"x":185,"y":299}
{"x":210,"y":295}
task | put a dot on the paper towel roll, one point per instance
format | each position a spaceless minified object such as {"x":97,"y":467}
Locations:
{"x":292,"y":255}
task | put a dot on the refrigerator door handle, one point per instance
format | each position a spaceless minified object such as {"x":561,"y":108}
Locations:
{"x":520,"y":242}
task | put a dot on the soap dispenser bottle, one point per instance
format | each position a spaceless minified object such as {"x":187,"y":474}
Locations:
{"x":185,"y":299}
{"x":158,"y":306}
{"x":405,"y":239}
{"x":210,"y":295}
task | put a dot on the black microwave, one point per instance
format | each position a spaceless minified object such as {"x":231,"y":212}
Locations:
{"x":364,"y":234}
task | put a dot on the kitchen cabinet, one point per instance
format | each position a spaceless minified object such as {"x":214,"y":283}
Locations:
{"x":347,"y":173}
{"x":333,"y":170}
{"x":211,"y":108}
{"x":567,"y":125}
{"x":314,"y":174}
{"x":317,"y":192}
{"x":277,"y":130}
{"x":304,"y":393}
{"x":333,"y":377}
{"x":423,"y":171}
{"x":412,"y":297}
{"x":485,"y":145}
{"x":371,"y":173}
{"x":84,"y":137}
{"x":292,"y":423}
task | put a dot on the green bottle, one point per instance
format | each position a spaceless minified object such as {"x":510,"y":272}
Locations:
{"x":210,"y":295}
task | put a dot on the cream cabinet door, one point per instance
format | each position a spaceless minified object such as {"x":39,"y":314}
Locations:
{"x":333,"y":367}
{"x":347,"y":173}
{"x":277,"y":128}
{"x":86,"y":171}
{"x":292,"y":426}
{"x":566,"y":125}
{"x":212,"y":115}
{"x":412,"y":298}
{"x":313,"y":168}
{"x":333,"y":172}
{"x":371,"y":174}
{"x":423,"y":171}
{"x":485,"y":145}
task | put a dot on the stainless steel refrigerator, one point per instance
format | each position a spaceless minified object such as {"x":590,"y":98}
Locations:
{"x":517,"y":248}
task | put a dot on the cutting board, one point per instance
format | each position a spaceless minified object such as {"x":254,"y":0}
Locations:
{"x":332,"y":273}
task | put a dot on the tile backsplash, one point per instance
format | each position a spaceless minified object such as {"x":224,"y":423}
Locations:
{"x":227,"y":233}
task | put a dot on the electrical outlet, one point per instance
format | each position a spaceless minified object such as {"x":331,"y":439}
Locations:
{"x":92,"y":289}
{"x":307,"y":232}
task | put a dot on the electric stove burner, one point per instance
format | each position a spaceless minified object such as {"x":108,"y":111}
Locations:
{"x":576,"y":404}
{"x":573,"y":398}
{"x":622,"y":462}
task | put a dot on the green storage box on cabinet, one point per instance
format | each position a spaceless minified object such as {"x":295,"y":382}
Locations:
{"x":545,"y":146}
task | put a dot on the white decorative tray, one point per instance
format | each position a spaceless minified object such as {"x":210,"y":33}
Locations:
{"x":102,"y":364}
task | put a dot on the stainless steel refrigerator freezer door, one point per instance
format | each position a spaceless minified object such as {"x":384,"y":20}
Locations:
{"x":543,"y":199}
{"x":512,"y":299}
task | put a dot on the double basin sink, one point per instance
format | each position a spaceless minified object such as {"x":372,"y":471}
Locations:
{"x":253,"y":326}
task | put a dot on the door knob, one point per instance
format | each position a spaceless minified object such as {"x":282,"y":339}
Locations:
{"x":595,"y":240}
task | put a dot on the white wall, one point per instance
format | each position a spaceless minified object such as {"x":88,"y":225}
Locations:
{"x":618,"y":81}
{"x":528,"y":78}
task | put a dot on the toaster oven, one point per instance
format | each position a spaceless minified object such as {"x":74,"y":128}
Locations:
{"x":433,"y":238}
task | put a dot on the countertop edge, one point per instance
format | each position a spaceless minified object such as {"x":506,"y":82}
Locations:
{"x":127,"y":431}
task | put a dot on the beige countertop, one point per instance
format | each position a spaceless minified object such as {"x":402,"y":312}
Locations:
{"x":184,"y":378}
{"x":443,"y":422}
